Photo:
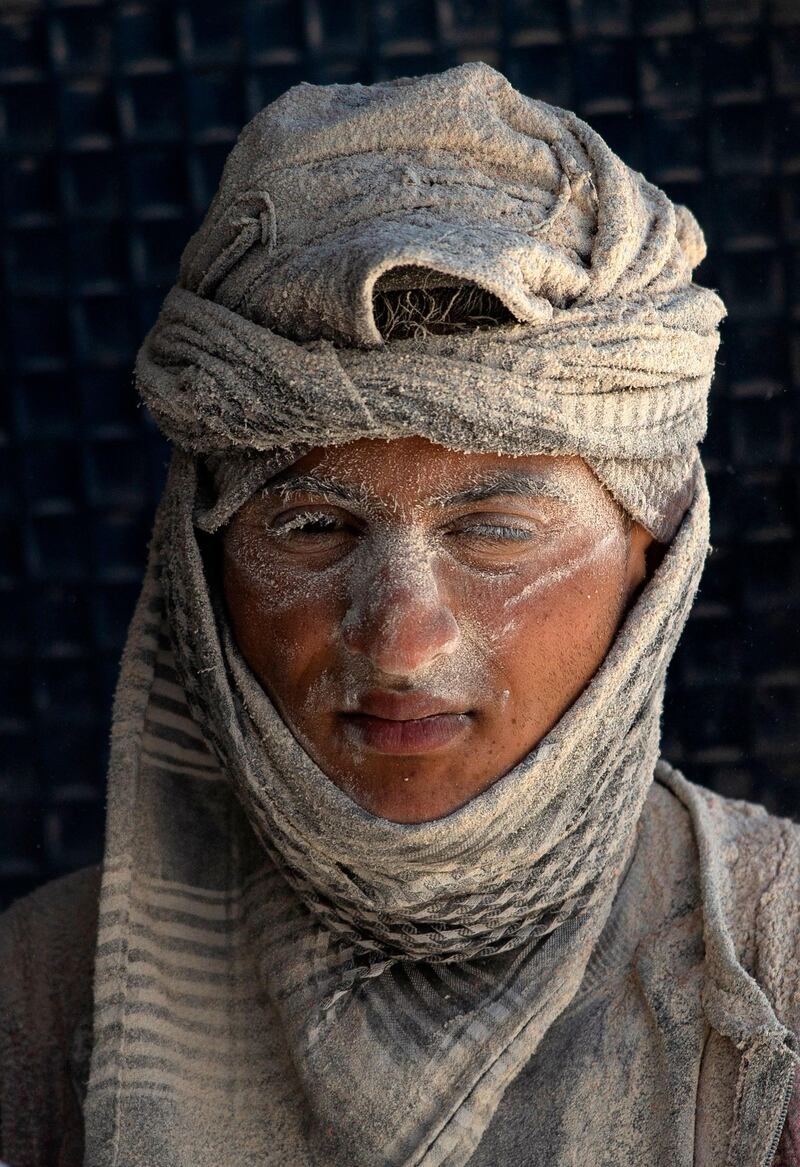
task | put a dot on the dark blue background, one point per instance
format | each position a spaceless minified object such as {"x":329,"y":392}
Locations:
{"x":114,"y":123}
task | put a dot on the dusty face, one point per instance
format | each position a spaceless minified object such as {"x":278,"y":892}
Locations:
{"x":421,"y":618}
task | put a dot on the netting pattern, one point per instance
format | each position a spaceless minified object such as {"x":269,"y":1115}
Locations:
{"x":115,"y":119}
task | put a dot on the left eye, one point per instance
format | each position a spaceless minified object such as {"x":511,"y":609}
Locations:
{"x":497,"y":531}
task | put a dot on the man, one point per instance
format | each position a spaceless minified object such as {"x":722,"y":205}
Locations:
{"x":388,"y":878}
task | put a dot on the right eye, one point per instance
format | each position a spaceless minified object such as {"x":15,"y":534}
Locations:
{"x":313,"y":536}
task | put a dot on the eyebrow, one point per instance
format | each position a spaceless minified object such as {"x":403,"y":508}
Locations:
{"x":287,"y":485}
{"x":519,"y":484}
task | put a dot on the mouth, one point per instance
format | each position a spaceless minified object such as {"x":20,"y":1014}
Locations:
{"x":404,"y":723}
{"x":416,"y":735}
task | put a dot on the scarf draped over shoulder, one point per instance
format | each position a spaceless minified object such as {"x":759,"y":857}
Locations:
{"x":282,"y":977}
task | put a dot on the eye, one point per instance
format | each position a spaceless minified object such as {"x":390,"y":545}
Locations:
{"x":499,"y":540}
{"x":497,"y":529}
{"x":314,"y":535}
{"x":499,"y":532}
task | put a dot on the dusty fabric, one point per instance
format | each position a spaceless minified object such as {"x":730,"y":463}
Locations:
{"x":281,"y":977}
{"x":270,"y":343}
{"x":47,"y":949}
{"x":255,"y":995}
{"x":47,"y":942}
{"x":650,"y":961}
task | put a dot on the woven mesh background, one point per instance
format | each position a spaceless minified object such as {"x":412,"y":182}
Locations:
{"x":115,"y":119}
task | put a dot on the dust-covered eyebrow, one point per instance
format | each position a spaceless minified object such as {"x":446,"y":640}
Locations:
{"x":519,"y":484}
{"x":315,"y":484}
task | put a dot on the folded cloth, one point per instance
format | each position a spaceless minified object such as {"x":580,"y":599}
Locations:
{"x":269,"y":342}
{"x":282,"y":977}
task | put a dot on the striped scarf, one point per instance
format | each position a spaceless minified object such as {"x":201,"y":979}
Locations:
{"x":281,"y":976}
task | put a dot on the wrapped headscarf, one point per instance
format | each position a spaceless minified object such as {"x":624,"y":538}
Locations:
{"x":282,"y":977}
{"x":269,"y":342}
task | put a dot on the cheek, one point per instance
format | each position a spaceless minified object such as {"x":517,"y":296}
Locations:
{"x":283,"y":619}
{"x":549,"y":631}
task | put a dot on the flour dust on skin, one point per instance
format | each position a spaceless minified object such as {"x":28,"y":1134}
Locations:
{"x":400,"y":601}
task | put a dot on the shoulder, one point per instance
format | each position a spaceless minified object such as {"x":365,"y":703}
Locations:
{"x":47,"y":939}
{"x":748,"y":874}
{"x":47,"y":943}
{"x":749,"y":862}
{"x":752,"y":855}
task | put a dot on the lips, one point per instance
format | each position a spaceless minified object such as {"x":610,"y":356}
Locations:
{"x":404,"y":723}
{"x":393,"y":706}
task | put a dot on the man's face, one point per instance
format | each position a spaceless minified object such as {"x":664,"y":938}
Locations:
{"x":421,"y":618}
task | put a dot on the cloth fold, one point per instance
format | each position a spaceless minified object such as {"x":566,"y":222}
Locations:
{"x":270,"y":340}
{"x":280,"y":976}
{"x":345,"y":919}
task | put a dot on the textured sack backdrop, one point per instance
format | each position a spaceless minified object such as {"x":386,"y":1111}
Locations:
{"x":115,"y":119}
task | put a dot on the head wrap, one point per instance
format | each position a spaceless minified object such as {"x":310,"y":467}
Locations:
{"x":281,"y":977}
{"x":269,"y":342}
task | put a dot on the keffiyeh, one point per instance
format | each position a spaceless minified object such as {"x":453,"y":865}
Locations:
{"x":282,"y":977}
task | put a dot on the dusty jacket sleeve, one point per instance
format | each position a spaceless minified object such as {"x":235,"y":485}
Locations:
{"x":46,"y":958}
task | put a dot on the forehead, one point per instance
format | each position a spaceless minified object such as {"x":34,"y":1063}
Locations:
{"x":413,"y":471}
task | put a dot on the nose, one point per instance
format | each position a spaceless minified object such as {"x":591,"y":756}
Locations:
{"x":399,"y":620}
